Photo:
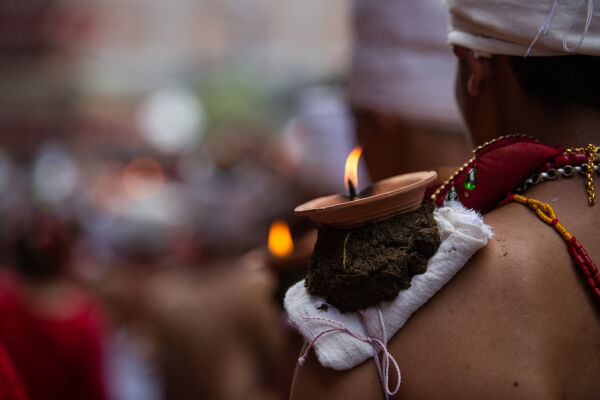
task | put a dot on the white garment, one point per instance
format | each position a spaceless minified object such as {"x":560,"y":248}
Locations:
{"x":462,"y":233}
{"x":401,"y":62}
{"x":509,"y":27}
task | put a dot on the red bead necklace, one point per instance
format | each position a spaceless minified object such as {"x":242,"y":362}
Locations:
{"x":582,"y":260}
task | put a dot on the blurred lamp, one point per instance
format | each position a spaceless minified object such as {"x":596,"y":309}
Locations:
{"x":280,"y":239}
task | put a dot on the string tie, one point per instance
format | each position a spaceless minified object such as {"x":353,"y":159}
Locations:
{"x":545,"y":27}
{"x":378,"y":345}
{"x":588,"y":21}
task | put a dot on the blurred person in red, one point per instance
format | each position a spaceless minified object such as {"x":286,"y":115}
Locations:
{"x":51,"y":328}
{"x":11,"y":385}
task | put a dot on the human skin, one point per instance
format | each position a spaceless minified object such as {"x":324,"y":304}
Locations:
{"x":517,"y":322}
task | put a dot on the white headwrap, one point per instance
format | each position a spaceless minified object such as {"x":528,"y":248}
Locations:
{"x":526,"y":27}
{"x":402,"y":63}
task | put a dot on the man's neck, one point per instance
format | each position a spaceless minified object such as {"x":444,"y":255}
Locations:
{"x":570,"y":126}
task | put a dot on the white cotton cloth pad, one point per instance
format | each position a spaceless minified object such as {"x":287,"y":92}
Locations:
{"x":462,"y":233}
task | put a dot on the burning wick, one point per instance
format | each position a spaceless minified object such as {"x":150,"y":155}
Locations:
{"x":351,"y":189}
{"x":351,"y":174}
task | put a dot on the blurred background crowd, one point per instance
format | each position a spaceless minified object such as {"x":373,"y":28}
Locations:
{"x":146,"y":148}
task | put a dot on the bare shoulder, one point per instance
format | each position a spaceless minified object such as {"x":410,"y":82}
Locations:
{"x":515,"y":322}
{"x":313,"y":381}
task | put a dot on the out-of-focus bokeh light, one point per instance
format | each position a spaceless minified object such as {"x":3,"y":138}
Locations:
{"x":54,"y":175}
{"x":143,"y":178}
{"x":280,"y":239}
{"x":167,"y":208}
{"x":172,"y":120}
{"x":106,"y":193}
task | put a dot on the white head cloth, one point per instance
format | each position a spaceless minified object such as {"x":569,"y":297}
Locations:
{"x":526,"y":27}
{"x":401,"y":61}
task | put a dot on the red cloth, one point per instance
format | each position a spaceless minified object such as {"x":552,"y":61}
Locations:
{"x":11,"y":386}
{"x":56,"y":357}
{"x":500,"y":168}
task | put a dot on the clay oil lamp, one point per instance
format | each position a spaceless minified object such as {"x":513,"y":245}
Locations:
{"x":379,"y":201}
{"x":286,"y":259}
{"x":370,"y":243}
{"x":284,"y":253}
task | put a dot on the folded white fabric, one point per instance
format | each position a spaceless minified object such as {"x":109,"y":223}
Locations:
{"x":343,"y":346}
{"x":510,"y":27}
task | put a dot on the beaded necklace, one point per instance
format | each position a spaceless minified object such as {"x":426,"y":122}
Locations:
{"x":505,"y":166}
{"x":573,"y":161}
{"x":566,"y":163}
{"x":496,"y":168}
{"x":582,"y":260}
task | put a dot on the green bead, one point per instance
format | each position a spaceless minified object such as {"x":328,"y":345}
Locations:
{"x":471,"y":179}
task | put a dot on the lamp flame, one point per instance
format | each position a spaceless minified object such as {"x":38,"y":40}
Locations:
{"x":143,"y":178}
{"x":280,"y":239}
{"x":351,"y":174}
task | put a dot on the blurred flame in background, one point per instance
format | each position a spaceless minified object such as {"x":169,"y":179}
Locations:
{"x":280,"y":239}
{"x":143,"y":178}
{"x":351,"y":173}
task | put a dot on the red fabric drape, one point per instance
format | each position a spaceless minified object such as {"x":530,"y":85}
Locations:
{"x":11,"y":386}
{"x":56,"y":357}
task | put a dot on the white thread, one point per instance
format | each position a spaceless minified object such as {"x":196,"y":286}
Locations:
{"x":588,"y":21}
{"x":374,"y":342}
{"x":386,"y":383}
{"x":383,"y":379}
{"x":542,"y":29}
{"x":546,"y":26}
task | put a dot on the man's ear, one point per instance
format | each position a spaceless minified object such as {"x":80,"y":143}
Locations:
{"x":479,"y":68}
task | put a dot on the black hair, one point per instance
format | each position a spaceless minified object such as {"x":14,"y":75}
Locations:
{"x":560,"y":80}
